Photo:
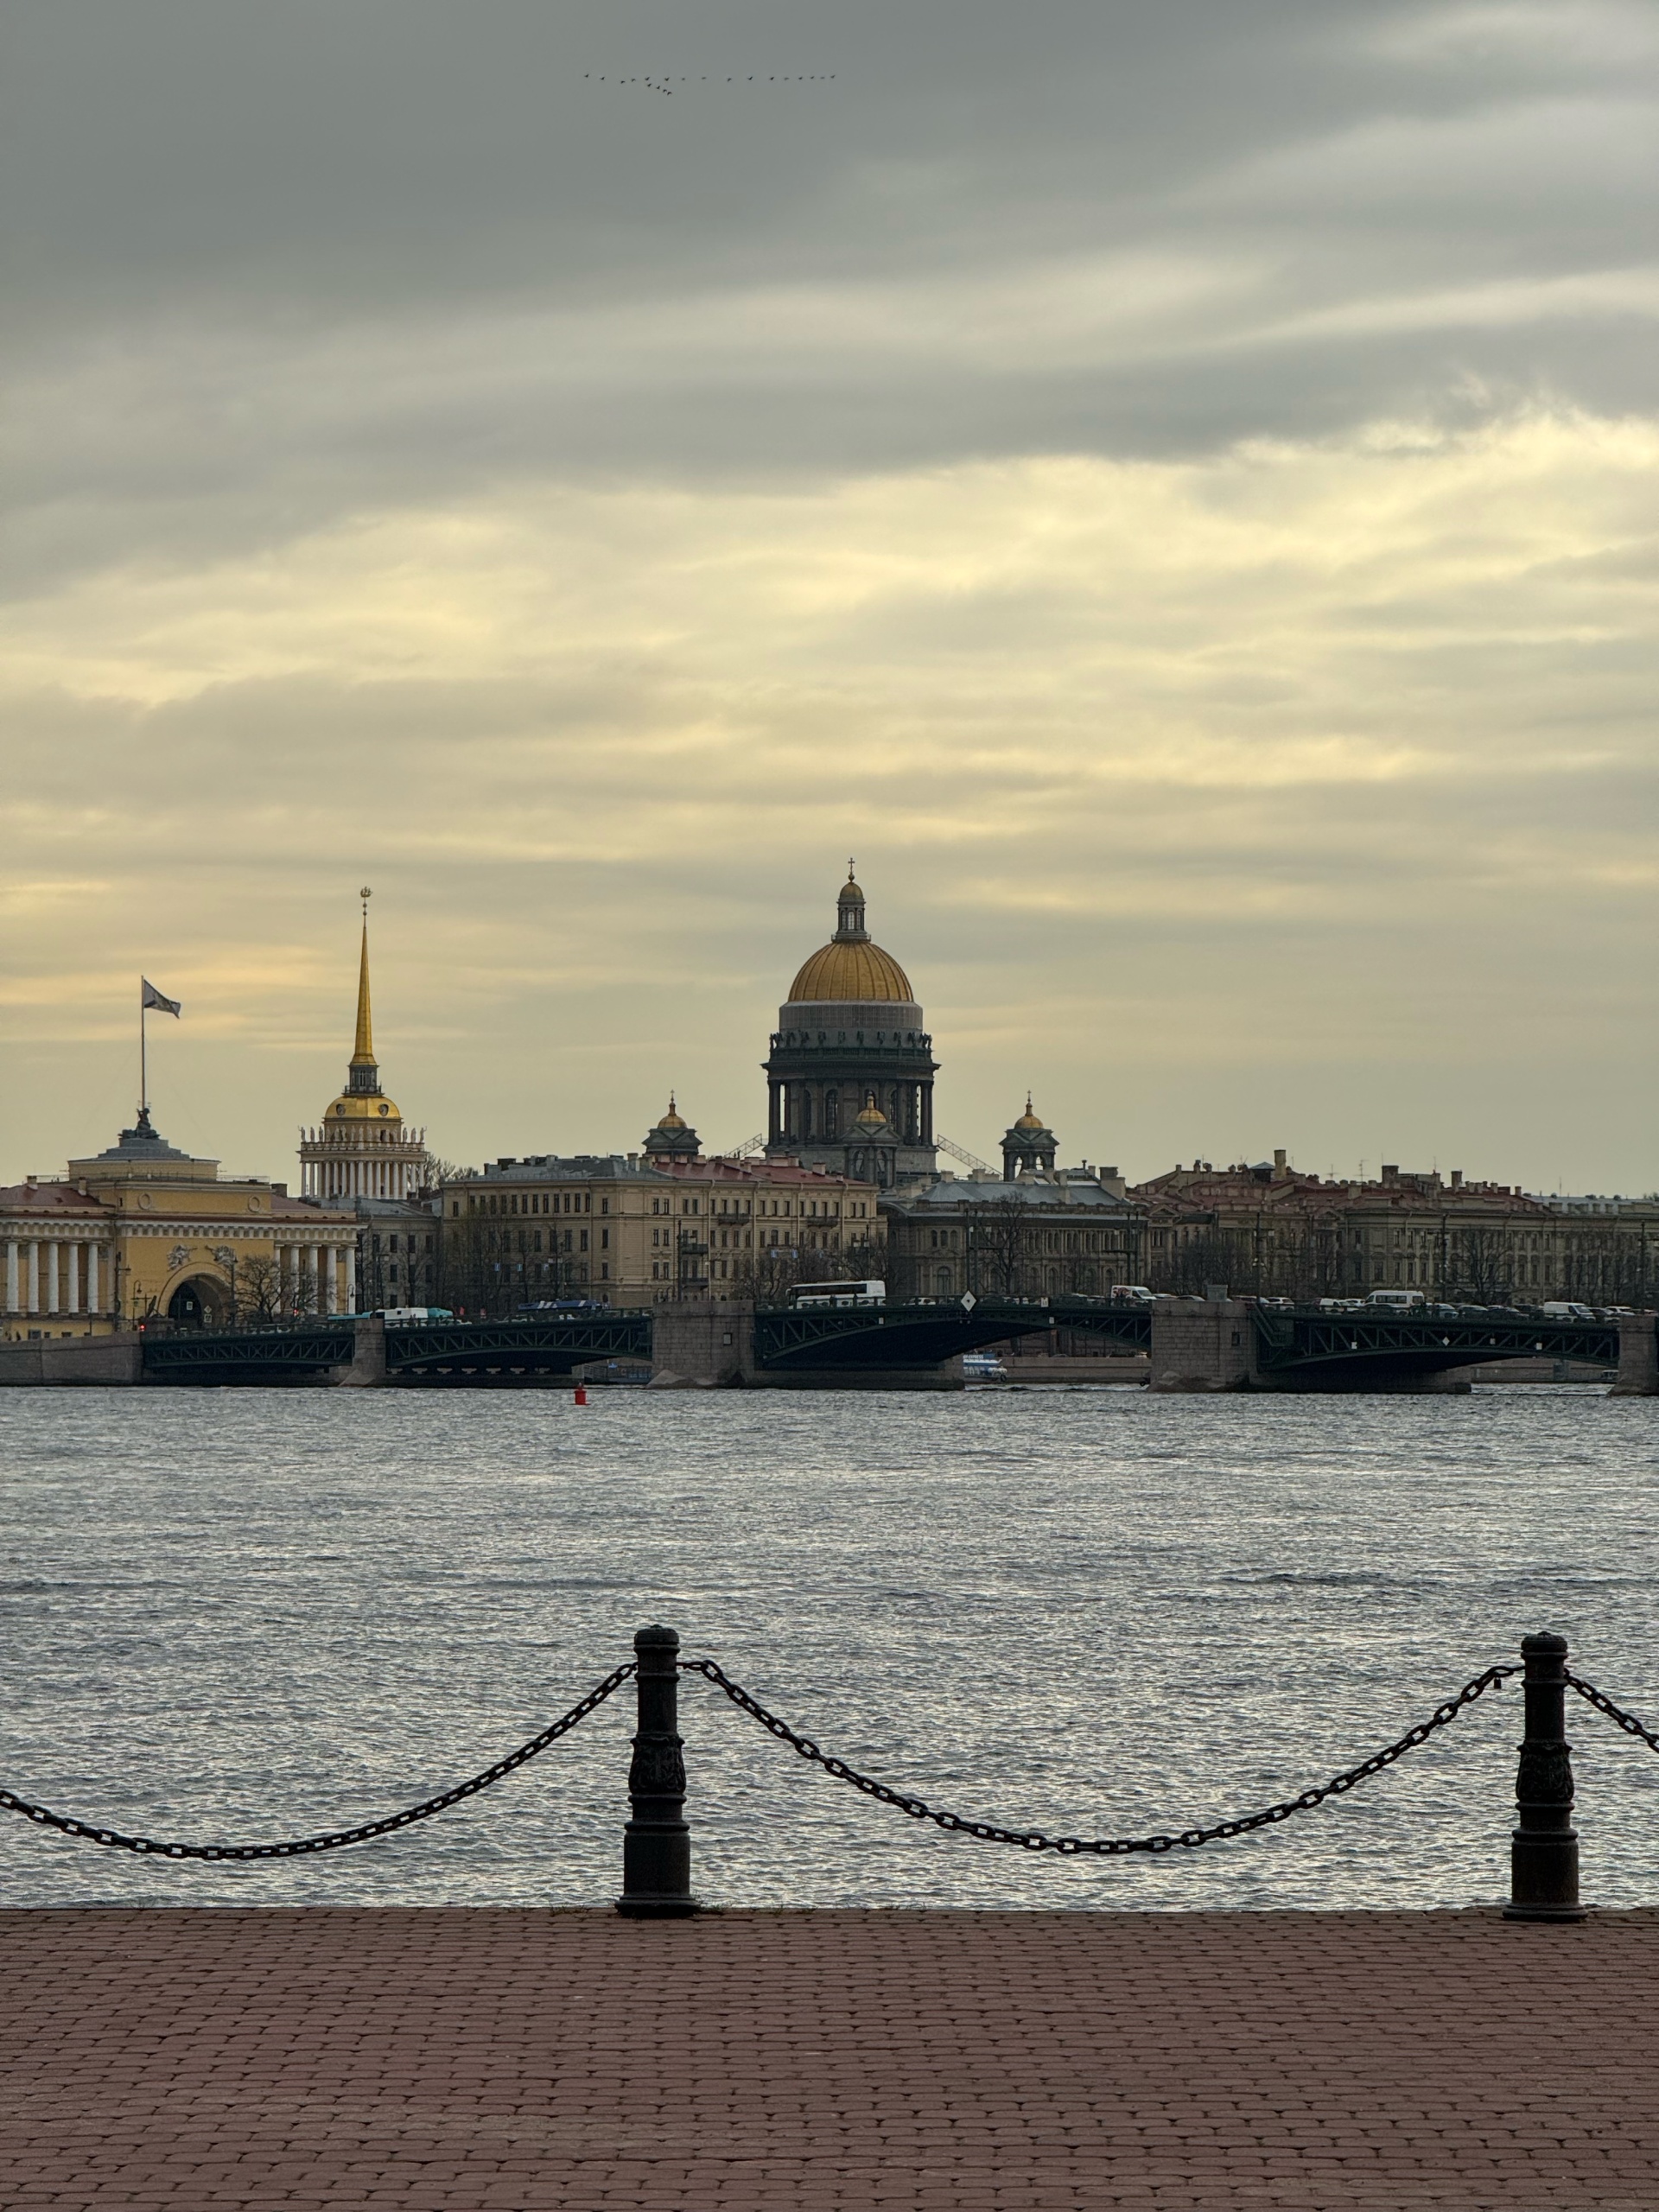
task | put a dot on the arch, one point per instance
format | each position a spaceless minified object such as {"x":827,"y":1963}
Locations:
{"x":198,"y":1302}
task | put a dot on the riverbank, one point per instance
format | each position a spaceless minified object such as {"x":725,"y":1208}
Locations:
{"x":505,"y":2060}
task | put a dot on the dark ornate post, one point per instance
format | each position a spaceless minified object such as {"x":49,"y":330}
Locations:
{"x":657,"y":1843}
{"x":1544,"y":1847}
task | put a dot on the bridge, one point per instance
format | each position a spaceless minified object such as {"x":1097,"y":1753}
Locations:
{"x":473,"y":1354}
{"x":306,"y":1352}
{"x":1313,"y":1348}
{"x":825,"y":1339}
{"x":480,"y":1353}
{"x":1193,"y":1344}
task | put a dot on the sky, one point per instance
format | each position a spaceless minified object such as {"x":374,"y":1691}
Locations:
{"x":1172,"y":490}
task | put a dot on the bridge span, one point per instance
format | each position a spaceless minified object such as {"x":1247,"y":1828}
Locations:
{"x":1192,"y":1344}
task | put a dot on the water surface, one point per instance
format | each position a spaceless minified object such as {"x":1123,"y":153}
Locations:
{"x":238,"y":1615}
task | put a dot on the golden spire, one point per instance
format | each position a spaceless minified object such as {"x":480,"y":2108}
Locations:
{"x":363,"y":1053}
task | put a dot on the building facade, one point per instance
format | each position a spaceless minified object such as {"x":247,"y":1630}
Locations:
{"x":1266,"y":1228}
{"x":650,"y":1227}
{"x":1036,"y":1231}
{"x":850,"y":1071}
{"x":142,"y":1232}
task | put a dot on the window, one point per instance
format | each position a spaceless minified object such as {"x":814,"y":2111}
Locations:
{"x":605,"y":1242}
{"x":584,"y":1240}
{"x":604,"y":1205}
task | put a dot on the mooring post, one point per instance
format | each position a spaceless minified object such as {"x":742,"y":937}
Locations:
{"x":1544,"y":1847}
{"x":657,"y":1843}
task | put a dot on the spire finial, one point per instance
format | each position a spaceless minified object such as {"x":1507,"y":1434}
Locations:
{"x":363,"y":1050}
{"x":851,"y":871}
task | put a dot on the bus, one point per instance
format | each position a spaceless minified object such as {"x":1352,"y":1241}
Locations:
{"x":839,"y":1294}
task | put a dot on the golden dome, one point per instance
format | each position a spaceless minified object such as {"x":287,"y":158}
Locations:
{"x":850,"y":969}
{"x":872,"y":1117}
{"x":363,"y":1106}
{"x":1029,"y":1120}
{"x":671,"y":1120}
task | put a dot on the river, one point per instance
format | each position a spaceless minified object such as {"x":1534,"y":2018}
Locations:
{"x":241,"y":1615}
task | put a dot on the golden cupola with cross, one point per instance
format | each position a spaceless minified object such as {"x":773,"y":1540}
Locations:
{"x":361,"y":1149}
{"x":851,"y":1043}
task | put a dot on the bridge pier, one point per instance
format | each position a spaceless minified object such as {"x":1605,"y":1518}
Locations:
{"x":367,"y":1369}
{"x":1638,"y":1357}
{"x":697,"y":1343}
{"x":1203,"y":1343}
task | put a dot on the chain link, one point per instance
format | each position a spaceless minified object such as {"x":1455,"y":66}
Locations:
{"x":302,"y":1845}
{"x":1105,"y":1847}
{"x":1603,"y":1703}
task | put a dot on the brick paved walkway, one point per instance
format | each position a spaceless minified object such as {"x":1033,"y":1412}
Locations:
{"x":517,"y":2061}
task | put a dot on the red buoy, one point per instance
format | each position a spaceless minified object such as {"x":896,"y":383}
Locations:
{"x":581,"y":1394}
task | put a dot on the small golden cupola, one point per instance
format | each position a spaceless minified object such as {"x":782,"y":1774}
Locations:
{"x":673,"y":1138}
{"x":1029,"y":1146}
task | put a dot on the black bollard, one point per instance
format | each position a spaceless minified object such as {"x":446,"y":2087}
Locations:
{"x":1544,"y":1847}
{"x":657,"y":1843}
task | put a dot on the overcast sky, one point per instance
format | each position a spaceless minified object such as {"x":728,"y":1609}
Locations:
{"x":1171,"y":487}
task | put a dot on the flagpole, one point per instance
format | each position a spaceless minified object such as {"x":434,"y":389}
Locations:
{"x":143,"y":1060}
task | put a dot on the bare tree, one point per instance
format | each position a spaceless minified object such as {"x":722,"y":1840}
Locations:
{"x":996,"y":1238}
{"x":1481,"y":1263}
{"x":259,"y":1289}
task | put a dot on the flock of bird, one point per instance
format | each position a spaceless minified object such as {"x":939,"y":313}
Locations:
{"x":666,"y":84}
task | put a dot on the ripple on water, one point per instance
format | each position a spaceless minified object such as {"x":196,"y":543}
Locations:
{"x":239,"y":1615}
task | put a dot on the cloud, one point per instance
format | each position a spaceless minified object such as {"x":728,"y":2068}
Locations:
{"x":600,"y":747}
{"x":1172,"y":489}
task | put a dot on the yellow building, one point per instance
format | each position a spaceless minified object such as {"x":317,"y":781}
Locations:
{"x":632,"y":1229}
{"x":143,"y":1230}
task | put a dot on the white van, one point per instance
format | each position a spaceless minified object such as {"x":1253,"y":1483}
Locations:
{"x":1137,"y":1291}
{"x":1396,"y":1301}
{"x":1565,"y":1309}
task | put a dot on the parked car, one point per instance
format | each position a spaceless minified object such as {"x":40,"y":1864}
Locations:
{"x":1396,"y":1301}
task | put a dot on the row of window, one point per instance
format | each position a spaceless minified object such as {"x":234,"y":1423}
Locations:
{"x":542,"y":1202}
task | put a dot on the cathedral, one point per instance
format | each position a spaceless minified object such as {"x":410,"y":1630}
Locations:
{"x":851,"y":1069}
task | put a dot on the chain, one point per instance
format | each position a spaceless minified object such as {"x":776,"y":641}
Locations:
{"x":1603,"y":1703}
{"x":297,"y":1849}
{"x":1115,"y":1847}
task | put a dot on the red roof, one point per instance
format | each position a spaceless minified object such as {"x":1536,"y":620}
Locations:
{"x":50,"y":1197}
